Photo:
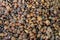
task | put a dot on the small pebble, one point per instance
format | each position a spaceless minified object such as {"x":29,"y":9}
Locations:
{"x":13,"y":38}
{"x":47,"y":22}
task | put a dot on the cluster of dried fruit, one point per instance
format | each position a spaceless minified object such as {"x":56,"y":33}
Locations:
{"x":29,"y":20}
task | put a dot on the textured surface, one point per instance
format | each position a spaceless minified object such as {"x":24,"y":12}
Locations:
{"x":29,"y":19}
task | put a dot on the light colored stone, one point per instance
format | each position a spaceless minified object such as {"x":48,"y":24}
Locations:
{"x":47,"y":22}
{"x":39,"y":18}
{"x":29,"y":6}
{"x":59,"y":33}
{"x":2,"y":34}
{"x":26,"y":31}
{"x":13,"y":38}
{"x":42,"y":1}
{"x":8,"y":8}
{"x":15,"y":1}
{"x":0,"y":22}
{"x":5,"y":27}
{"x":49,"y":29}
